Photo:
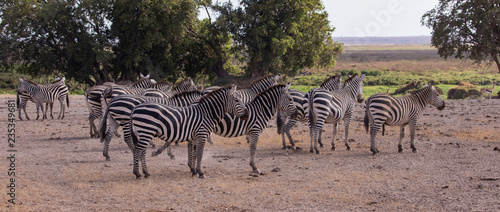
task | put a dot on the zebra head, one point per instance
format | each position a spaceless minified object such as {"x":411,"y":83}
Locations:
{"x":26,"y":86}
{"x":435,"y":99}
{"x":286,"y":103}
{"x":264,"y":83}
{"x":235,"y":105}
{"x":356,"y":83}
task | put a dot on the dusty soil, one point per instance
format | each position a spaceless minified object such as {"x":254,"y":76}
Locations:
{"x":60,"y":168}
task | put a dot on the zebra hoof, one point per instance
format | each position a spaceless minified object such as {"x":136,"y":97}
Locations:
{"x":375,"y":151}
{"x":202,"y":176}
{"x":108,"y":159}
{"x":400,"y":150}
{"x":154,"y":154}
{"x":415,"y":151}
{"x":311,"y":151}
{"x":333,"y":148}
{"x":147,"y":175}
{"x":138,"y":177}
{"x":172,"y":157}
{"x":318,"y":152}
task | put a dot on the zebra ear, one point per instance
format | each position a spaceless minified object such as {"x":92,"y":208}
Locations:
{"x":277,"y":77}
{"x":363,"y":76}
{"x":233,"y":89}
{"x":287,"y":86}
{"x":20,"y":80}
{"x":142,"y":76}
{"x":338,"y":78}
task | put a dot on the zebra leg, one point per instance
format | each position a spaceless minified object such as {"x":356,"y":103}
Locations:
{"x":144,"y":167}
{"x":373,"y":132}
{"x":51,"y":107}
{"x":413,"y":126}
{"x":209,"y":139}
{"x":200,"y":145}
{"x":191,"y":157}
{"x":137,"y":154}
{"x":169,"y":153}
{"x":61,"y":112}
{"x":314,"y":139}
{"x":335,"y":128}
{"x":253,"y":139}
{"x":38,"y":111}
{"x":113,"y":126}
{"x":93,"y":128}
{"x":319,"y":138}
{"x":401,"y":136}
{"x":25,"y":114}
{"x":347,"y":121}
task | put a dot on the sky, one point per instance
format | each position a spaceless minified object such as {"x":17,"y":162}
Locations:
{"x":361,"y":18}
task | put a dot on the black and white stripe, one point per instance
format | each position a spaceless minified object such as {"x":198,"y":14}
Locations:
{"x":45,"y":94}
{"x":260,"y":111}
{"x":323,"y":106}
{"x":331,"y":83}
{"x":385,"y":109}
{"x":120,"y":108}
{"x":256,"y":87}
{"x":193,"y":123}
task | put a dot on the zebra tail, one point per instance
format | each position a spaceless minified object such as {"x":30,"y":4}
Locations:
{"x":103,"y":124}
{"x":17,"y":100}
{"x":366,"y":120}
{"x":312,"y":117}
{"x":67,"y":99}
{"x":279,"y":122}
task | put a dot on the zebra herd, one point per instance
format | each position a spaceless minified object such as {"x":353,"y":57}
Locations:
{"x":147,"y":109}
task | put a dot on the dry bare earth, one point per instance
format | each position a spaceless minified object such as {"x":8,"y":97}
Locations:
{"x":59,"y":167}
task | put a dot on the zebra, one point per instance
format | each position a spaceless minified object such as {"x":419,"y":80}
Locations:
{"x":323,"y":106}
{"x":260,"y":111}
{"x":184,"y":85}
{"x":22,"y":99}
{"x":93,"y":97}
{"x":331,"y":83}
{"x":46,"y":94}
{"x":193,"y":123}
{"x":384,"y":109}
{"x":256,"y":87}
{"x":119,"y":109}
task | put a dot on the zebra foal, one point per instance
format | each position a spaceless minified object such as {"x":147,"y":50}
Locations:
{"x":382,"y":108}
{"x":323,"y":106}
{"x":45,"y":94}
{"x":193,"y":123}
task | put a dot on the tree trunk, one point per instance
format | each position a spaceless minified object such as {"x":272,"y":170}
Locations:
{"x":494,"y":56}
{"x":219,"y":70}
{"x":125,"y":76}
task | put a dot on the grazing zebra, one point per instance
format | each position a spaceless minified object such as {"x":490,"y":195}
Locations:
{"x":46,"y":94}
{"x":331,"y":83}
{"x":260,"y":110}
{"x":323,"y":106}
{"x":23,"y":98}
{"x":193,"y":123}
{"x":93,"y":97}
{"x":385,"y":109}
{"x":119,"y":109}
{"x":256,"y":87}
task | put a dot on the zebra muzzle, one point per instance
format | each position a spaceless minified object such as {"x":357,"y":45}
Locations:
{"x":244,"y":116}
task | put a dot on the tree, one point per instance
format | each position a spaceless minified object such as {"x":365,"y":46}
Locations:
{"x":280,"y":36}
{"x":466,"y":29}
{"x":69,"y":37}
{"x":152,"y":36}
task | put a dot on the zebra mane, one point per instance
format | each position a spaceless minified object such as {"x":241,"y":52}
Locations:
{"x":139,"y":81}
{"x":187,"y":93}
{"x":56,"y":81}
{"x":328,"y":79}
{"x":214,"y":91}
{"x":267,"y":90}
{"x":163,"y":82}
{"x":418,"y":92}
{"x":350,"y":79}
{"x":180,"y":82}
{"x":29,"y":81}
{"x":261,"y":79}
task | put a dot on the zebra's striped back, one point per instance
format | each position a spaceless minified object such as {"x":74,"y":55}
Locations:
{"x":181,"y":123}
{"x":162,"y":86}
{"x":45,"y":93}
{"x":323,"y":106}
{"x":184,"y":85}
{"x":382,"y":108}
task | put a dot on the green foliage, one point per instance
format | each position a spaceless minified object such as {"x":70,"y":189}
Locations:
{"x":280,"y":37}
{"x":466,"y":29}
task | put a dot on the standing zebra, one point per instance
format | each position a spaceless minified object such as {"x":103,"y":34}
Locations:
{"x":331,"y":83}
{"x":46,"y":94}
{"x":323,"y":106}
{"x":260,"y":110}
{"x":385,"y":109}
{"x":93,"y":97}
{"x":22,"y":99}
{"x":193,"y":123}
{"x":120,"y":108}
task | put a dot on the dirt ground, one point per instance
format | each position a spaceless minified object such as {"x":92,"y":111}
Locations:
{"x":60,"y":168}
